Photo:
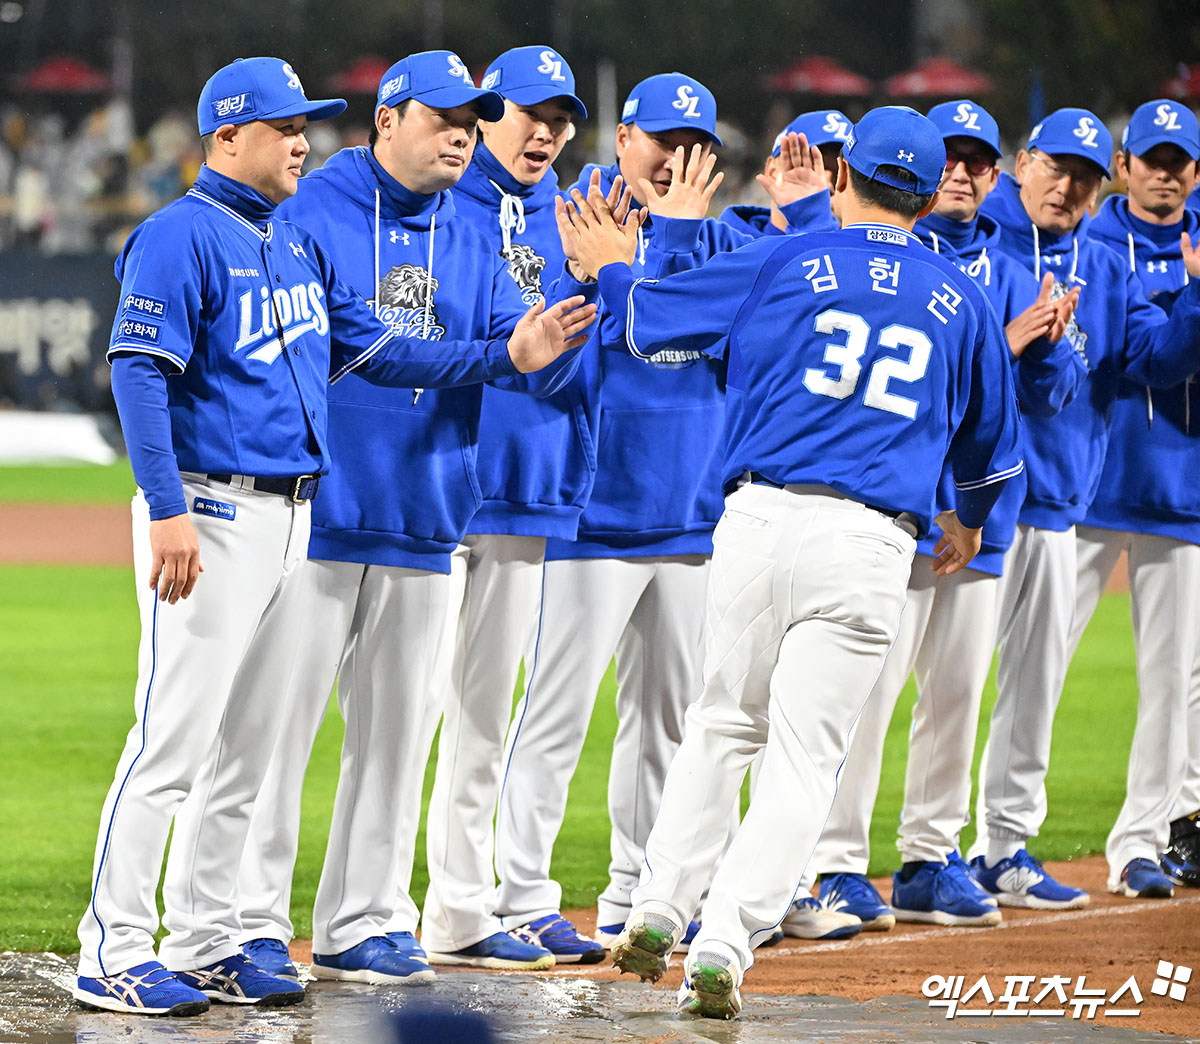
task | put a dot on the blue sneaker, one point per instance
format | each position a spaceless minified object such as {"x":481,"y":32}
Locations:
{"x":1181,"y":860}
{"x":407,"y":944}
{"x":684,"y":943}
{"x":942,"y":893}
{"x":145,"y":989}
{"x":1143,"y":879}
{"x":1021,"y":880}
{"x":955,"y":859}
{"x":271,"y":956}
{"x":236,"y":980}
{"x":558,"y":935}
{"x":376,"y":961}
{"x":854,"y":894}
{"x":498,"y":951}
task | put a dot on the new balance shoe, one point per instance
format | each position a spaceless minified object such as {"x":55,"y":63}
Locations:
{"x":955,"y":859}
{"x":1021,"y":880}
{"x":145,"y":989}
{"x":237,"y":980}
{"x":498,"y":951}
{"x":271,"y":956}
{"x":645,"y":946}
{"x":1143,"y":879}
{"x":810,"y":918}
{"x":377,"y":961}
{"x":710,"y":989}
{"x":558,"y":935}
{"x":854,"y":894}
{"x":1181,"y":860}
{"x":407,"y":944}
{"x":942,"y":893}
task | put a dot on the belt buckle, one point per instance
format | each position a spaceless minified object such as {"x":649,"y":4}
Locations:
{"x":300,"y":481}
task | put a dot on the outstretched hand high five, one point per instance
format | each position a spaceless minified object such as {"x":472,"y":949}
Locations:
{"x":597,"y":235}
{"x":799,"y":173}
{"x":542,"y":334}
{"x":692,"y":186}
{"x":618,"y":200}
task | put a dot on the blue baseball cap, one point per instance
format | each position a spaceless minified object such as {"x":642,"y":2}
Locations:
{"x":252,"y":89}
{"x":533,"y":74}
{"x":672,"y":101}
{"x":1074,"y":132}
{"x":1162,"y":122}
{"x":967,"y":119}
{"x":438,"y":79}
{"x":822,"y":127}
{"x":897,"y":136}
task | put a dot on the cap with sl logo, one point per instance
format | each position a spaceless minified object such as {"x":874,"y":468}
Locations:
{"x":897,"y":136}
{"x":672,"y":101}
{"x":533,"y":74}
{"x":257,"y":89}
{"x":967,"y":119}
{"x":822,"y":127}
{"x":1074,"y":132}
{"x":1162,"y":122}
{"x":438,"y":79}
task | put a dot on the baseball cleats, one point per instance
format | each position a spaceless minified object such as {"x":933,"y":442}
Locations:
{"x":558,"y":935}
{"x":710,"y":987}
{"x":942,"y":893}
{"x":645,"y":946}
{"x":1021,"y":880}
{"x":809,"y":918}
{"x":854,"y":894}
{"x":608,"y":934}
{"x":236,"y":980}
{"x":271,"y":956}
{"x":498,"y":951}
{"x":1143,"y":879}
{"x":145,"y":989}
{"x":1181,"y":860}
{"x":407,"y":944}
{"x":376,"y":961}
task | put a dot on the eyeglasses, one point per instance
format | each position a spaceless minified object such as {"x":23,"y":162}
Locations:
{"x":977,"y":163}
{"x":1056,"y":172}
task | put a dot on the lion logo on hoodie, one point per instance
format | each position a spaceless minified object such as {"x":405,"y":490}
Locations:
{"x":406,"y":302}
{"x":525,"y":266}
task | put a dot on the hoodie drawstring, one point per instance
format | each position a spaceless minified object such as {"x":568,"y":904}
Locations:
{"x":1149,"y":393}
{"x":1037,"y":253}
{"x":641,"y":246}
{"x":512,"y":216}
{"x":937,"y":243}
{"x":375,"y":295}
{"x":428,"y":293}
{"x":1074,"y":259}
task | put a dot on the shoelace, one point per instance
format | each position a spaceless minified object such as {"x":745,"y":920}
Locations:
{"x":852,"y":888}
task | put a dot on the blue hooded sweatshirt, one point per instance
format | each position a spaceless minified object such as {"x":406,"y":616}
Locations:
{"x":1116,"y":331}
{"x":537,"y":457}
{"x":1149,"y":482}
{"x":658,"y":487}
{"x":403,"y":485}
{"x":810,"y":214}
{"x":1045,"y":376}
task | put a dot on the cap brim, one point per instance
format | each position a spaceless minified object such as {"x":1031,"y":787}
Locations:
{"x":666,"y":125}
{"x":820,"y":143}
{"x":990,"y":146}
{"x":1069,"y":150}
{"x":316,"y":109}
{"x":491,"y":105}
{"x":535,"y":94}
{"x":1140,"y":146}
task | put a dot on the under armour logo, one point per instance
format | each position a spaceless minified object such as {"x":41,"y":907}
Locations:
{"x":398,"y":237}
{"x":1156,"y":266}
{"x":297,"y":249}
{"x":906,"y":156}
{"x":293,"y":81}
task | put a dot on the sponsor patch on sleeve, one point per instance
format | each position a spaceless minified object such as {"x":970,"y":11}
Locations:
{"x":139,"y":330}
{"x":144,"y":305}
{"x":214,"y":508}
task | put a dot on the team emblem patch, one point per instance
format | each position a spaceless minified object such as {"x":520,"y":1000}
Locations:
{"x":406,"y":302}
{"x":525,"y":266}
{"x":214,"y":508}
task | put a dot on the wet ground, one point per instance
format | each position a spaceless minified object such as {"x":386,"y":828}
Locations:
{"x":36,"y":1006}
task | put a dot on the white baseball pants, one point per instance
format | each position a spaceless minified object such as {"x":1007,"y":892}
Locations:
{"x":213,"y":673}
{"x":1164,"y":587}
{"x":1037,"y":602}
{"x":804,"y":602}
{"x":383,"y":632}
{"x":946,"y":636}
{"x":650,"y":611}
{"x":495,"y":623}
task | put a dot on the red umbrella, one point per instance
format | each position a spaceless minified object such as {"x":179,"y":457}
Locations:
{"x":63,"y":74}
{"x":1184,"y":85}
{"x":934,"y":77}
{"x":820,"y":75}
{"x":361,"y":76}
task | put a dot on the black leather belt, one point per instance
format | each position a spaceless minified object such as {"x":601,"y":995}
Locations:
{"x":299,"y":488}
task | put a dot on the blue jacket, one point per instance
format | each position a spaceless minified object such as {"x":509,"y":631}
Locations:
{"x":810,"y":214}
{"x":658,"y":479}
{"x":537,"y":457}
{"x":403,"y":485}
{"x":1045,"y":376}
{"x":1149,"y":482}
{"x":1115,"y":330}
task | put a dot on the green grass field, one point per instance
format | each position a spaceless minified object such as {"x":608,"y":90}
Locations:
{"x":68,"y":640}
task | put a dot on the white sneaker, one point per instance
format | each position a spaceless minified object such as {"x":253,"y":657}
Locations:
{"x":811,"y":918}
{"x":711,"y":985}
